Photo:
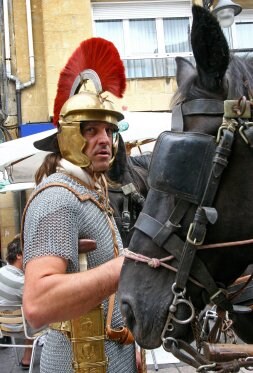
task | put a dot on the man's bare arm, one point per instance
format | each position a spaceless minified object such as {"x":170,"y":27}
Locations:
{"x":52,"y":295}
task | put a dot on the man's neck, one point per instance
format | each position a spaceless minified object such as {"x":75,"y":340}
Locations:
{"x":18,"y":264}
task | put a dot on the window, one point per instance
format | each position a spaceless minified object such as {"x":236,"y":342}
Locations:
{"x":147,"y":40}
{"x":176,"y":33}
{"x":113,"y":31}
{"x":244,"y":33}
{"x":239,"y":34}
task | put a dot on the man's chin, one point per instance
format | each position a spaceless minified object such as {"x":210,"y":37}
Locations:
{"x":101,"y":167}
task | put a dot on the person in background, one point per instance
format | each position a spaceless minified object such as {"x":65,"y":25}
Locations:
{"x":11,"y":288}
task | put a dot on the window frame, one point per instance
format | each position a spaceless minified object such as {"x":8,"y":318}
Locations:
{"x":125,"y":11}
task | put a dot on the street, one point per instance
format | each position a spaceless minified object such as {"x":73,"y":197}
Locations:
{"x":8,"y":362}
{"x":166,"y":362}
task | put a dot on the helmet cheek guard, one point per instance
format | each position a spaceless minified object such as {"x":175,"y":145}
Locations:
{"x":72,"y":144}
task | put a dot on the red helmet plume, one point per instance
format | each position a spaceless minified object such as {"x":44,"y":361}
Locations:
{"x":98,"y":55}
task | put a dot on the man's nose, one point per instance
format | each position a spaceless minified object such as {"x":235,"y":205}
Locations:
{"x":104,"y":136}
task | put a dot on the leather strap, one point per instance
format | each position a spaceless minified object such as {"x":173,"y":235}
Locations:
{"x":207,"y":106}
{"x":186,"y":353}
{"x":125,"y":216}
{"x":198,"y":228}
{"x":160,"y":233}
{"x":177,"y":120}
{"x":121,"y":335}
{"x":199,"y":272}
{"x":194,"y":107}
{"x":85,"y":245}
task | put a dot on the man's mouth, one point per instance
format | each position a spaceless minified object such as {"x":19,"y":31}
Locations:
{"x":103,"y":153}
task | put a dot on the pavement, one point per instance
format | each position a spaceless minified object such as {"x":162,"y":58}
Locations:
{"x":8,"y":362}
{"x":161,"y":362}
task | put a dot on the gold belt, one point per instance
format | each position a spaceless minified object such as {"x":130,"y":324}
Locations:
{"x":86,"y":334}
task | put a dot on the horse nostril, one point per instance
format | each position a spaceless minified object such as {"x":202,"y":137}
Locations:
{"x":128,"y":315}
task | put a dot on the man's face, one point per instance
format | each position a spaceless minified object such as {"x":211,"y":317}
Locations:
{"x":99,"y":136}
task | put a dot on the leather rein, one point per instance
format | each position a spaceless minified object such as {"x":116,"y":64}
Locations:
{"x":236,"y":117}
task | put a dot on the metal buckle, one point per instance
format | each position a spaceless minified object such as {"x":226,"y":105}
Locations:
{"x":191,"y":241}
{"x":216,"y":295}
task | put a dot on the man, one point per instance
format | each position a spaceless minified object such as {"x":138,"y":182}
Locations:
{"x":71,"y":203}
{"x":11,"y":288}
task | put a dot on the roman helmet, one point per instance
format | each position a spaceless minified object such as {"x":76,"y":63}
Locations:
{"x":96,"y":60}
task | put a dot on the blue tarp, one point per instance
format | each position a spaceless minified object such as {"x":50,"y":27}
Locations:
{"x":27,"y":129}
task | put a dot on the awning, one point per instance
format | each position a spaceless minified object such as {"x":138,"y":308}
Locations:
{"x":14,"y":150}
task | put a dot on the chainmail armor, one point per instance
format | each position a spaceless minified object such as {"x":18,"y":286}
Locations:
{"x":54,"y":221}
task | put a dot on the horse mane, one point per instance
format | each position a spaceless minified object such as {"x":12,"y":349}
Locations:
{"x":239,"y":76}
{"x":190,"y":90}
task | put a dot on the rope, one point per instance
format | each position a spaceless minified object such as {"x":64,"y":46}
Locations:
{"x":155,"y":263}
{"x":225,"y":244}
{"x":152,"y":262}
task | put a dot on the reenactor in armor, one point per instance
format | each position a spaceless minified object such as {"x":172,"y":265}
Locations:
{"x":70,"y":283}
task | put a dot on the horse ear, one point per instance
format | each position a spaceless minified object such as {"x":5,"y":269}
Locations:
{"x":185,"y":69}
{"x":210,"y":48}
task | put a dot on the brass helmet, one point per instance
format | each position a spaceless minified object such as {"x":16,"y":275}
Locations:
{"x":83,"y":107}
{"x":97,"y":60}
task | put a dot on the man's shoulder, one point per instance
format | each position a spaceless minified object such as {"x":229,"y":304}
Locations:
{"x":57,"y":190}
{"x":64,"y":181}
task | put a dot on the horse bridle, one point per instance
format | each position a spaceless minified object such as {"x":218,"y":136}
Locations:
{"x":162,"y":235}
{"x":194,"y":107}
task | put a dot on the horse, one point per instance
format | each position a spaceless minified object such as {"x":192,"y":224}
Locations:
{"x":128,"y":188}
{"x":199,"y":208}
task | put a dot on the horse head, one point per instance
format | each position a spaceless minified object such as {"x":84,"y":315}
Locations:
{"x":155,"y":306}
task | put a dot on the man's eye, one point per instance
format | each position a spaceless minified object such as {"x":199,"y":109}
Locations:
{"x":89,"y":130}
{"x":109,"y":132}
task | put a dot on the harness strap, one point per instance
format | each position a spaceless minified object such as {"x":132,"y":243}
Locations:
{"x":186,"y":353}
{"x":150,"y":226}
{"x":197,"y":230}
{"x":125,"y":216}
{"x":194,"y":107}
{"x":200,"y":273}
{"x":207,"y":106}
{"x":191,"y":357}
{"x":121,"y":335}
{"x":177,"y":120}
{"x":161,"y":232}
